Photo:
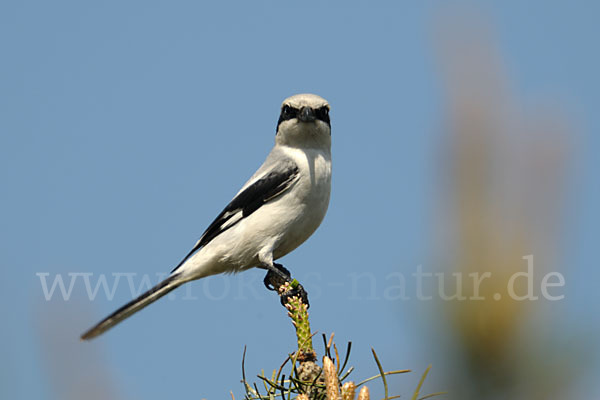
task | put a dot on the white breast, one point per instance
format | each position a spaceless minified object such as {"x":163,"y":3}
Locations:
{"x":311,"y":192}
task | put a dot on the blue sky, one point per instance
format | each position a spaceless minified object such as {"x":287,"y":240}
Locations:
{"x":125,"y":127}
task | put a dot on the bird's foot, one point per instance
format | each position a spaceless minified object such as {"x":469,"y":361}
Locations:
{"x":280,"y":277}
{"x":293,"y":289}
{"x":277,"y":278}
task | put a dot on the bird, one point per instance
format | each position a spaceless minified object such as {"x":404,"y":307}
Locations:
{"x":274,"y":212}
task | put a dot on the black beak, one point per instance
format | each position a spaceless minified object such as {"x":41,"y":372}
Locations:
{"x":307,"y":114}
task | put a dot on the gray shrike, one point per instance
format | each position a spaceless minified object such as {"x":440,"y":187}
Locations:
{"x":281,"y":205}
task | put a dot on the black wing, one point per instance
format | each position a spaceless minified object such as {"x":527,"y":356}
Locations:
{"x":246,"y":202}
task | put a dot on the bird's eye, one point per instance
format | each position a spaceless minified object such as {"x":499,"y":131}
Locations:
{"x":324,"y":111}
{"x":287,"y":113}
{"x":323,"y":114}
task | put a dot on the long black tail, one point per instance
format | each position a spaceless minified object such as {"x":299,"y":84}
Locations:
{"x":158,"y":291}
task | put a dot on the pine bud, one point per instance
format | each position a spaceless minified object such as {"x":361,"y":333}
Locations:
{"x":364,"y":393}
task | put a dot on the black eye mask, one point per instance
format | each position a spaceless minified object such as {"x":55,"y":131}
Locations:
{"x":289,"y":112}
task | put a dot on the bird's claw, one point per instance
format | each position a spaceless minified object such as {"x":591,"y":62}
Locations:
{"x":274,"y":280}
{"x":297,"y":291}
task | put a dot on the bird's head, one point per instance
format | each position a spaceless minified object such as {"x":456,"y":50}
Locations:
{"x":304,"y":122}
